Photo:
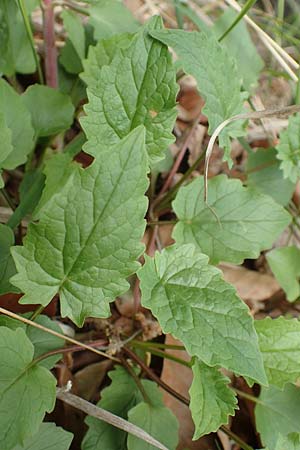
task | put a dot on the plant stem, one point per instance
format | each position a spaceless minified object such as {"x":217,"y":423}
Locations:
{"x":31,"y":39}
{"x":152,"y":223}
{"x":8,"y":199}
{"x":180,"y":397}
{"x":50,"y":48}
{"x":37,"y":312}
{"x":55,"y":333}
{"x":280,"y":14}
{"x":158,"y":345}
{"x":169,"y":356}
{"x":137,"y":380}
{"x":247,"y":396}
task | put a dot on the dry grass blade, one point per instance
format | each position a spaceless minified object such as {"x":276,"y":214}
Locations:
{"x":266,"y":113}
{"x":106,"y":416}
{"x":54,"y":333}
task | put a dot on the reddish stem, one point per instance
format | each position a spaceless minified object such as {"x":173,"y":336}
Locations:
{"x":50,"y":49}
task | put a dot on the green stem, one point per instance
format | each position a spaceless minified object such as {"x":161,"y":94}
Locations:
{"x":168,"y":356}
{"x":37,"y":312}
{"x":8,"y":199}
{"x":247,"y":396}
{"x":280,"y":14}
{"x":158,"y":345}
{"x":153,"y":223}
{"x":137,"y":380}
{"x":31,"y":39}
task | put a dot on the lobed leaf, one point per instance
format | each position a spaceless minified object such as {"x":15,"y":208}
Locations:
{"x":27,"y":391}
{"x":288,"y":149}
{"x":244,"y":221}
{"x":135,"y":86}
{"x":212,"y":401}
{"x":279,"y":342}
{"x":216,"y":74}
{"x":88,"y":238}
{"x":191,"y":301}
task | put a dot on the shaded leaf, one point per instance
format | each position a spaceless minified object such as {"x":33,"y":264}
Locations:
{"x":285,"y":264}
{"x":26,"y":391}
{"x":193,"y":303}
{"x":240,"y":46}
{"x":86,"y":257}
{"x":73,"y":52}
{"x":155,"y":419}
{"x":277,"y":413}
{"x":268,"y":178}
{"x":48,"y":437}
{"x":15,"y":50}
{"x":246,"y":223}
{"x":119,"y":397}
{"x":51,"y":111}
{"x":288,"y":149}
{"x":7,"y":265}
{"x":212,"y":401}
{"x":137,"y":87}
{"x":15,"y":121}
{"x":110,"y":17}
{"x":279,"y":342}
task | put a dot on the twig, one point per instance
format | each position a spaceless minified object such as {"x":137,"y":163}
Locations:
{"x":136,"y":379}
{"x":106,"y":416}
{"x":283,"y":112}
{"x":50,"y":48}
{"x":55,"y":333}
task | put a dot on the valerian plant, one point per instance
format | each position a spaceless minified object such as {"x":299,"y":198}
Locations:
{"x":78,"y":230}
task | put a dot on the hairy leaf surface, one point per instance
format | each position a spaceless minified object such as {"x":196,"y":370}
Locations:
{"x":277,"y":413}
{"x":212,"y":401}
{"x":247,"y":223}
{"x":279,"y":342}
{"x":191,"y":300}
{"x":137,"y":87}
{"x":88,"y":237}
{"x":26,"y":391}
{"x":285,"y":264}
{"x":48,"y":437}
{"x":289,"y":149}
{"x":216,"y":74}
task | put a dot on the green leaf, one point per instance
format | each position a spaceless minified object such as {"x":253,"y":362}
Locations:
{"x":289,"y":149}
{"x":285,"y":264}
{"x":15,"y":50}
{"x":216,"y":74}
{"x":277,"y":413}
{"x":102,"y":55}
{"x":290,"y":442}
{"x":84,"y":249}
{"x":279,"y":342}
{"x":155,"y":419}
{"x":26,"y":391}
{"x":137,"y":87}
{"x":31,"y":189}
{"x":212,"y":401}
{"x":265,"y":175}
{"x":110,"y":17}
{"x":245,"y":221}
{"x":15,"y":123}
{"x":7,"y":265}
{"x":48,"y":437}
{"x":42,"y":341}
{"x":249,"y":62}
{"x":191,"y":301}
{"x":118,"y":398}
{"x":73,"y":52}
{"x":51,"y":111}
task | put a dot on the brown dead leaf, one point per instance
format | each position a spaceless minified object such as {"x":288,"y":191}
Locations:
{"x":89,"y":379}
{"x":252,"y":286}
